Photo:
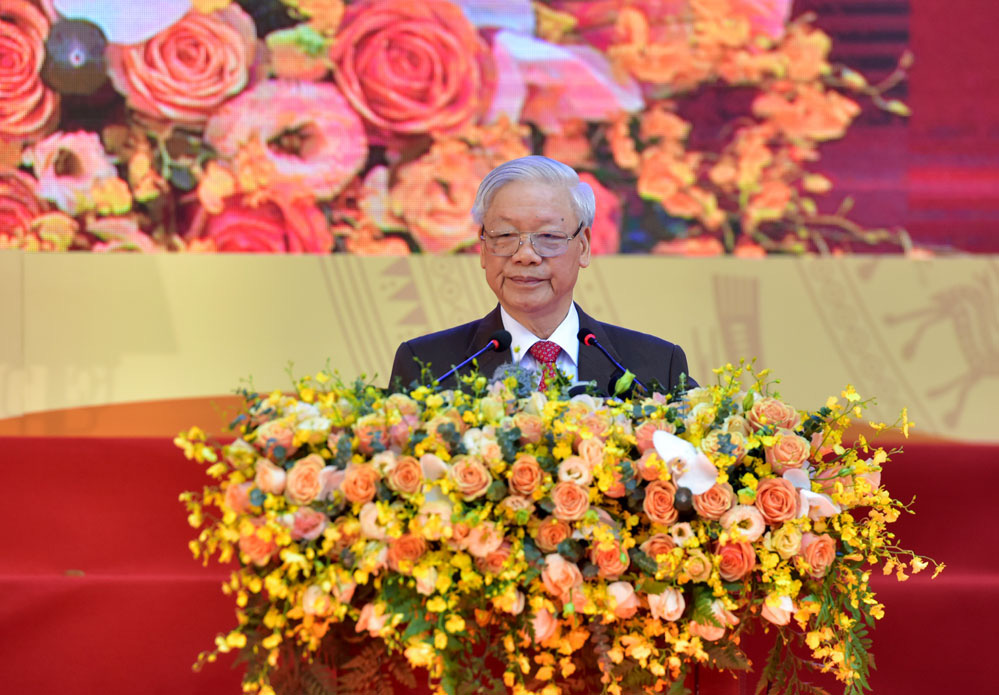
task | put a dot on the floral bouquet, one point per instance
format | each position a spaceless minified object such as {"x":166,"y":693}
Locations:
{"x":318,"y":126}
{"x":499,"y":535}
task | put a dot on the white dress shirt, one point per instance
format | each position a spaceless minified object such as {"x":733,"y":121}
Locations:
{"x":566,"y":336}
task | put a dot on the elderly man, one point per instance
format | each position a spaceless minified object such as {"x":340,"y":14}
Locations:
{"x":535,"y":216}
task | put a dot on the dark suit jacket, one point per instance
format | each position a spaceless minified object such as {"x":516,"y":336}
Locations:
{"x":645,"y":355}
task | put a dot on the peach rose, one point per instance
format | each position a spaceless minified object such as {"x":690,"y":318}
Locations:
{"x":657,"y":544}
{"x":697,"y":566}
{"x":746,"y":519}
{"x":274,"y":434}
{"x":544,"y":625}
{"x":611,"y":561}
{"x":406,"y":477}
{"x":471,"y":476}
{"x":304,"y":483}
{"x":667,"y":605}
{"x":412,"y":68}
{"x":575,"y":470}
{"x":531,"y":427}
{"x":625,"y":600}
{"x":561,"y":577}
{"x":592,"y":451}
{"x":404,"y":551}
{"x":483,"y":539}
{"x":373,"y":619}
{"x":237,"y":497}
{"x":307,"y":524}
{"x":571,"y":501}
{"x":658,"y":504}
{"x":789,"y":451}
{"x":778,"y":500}
{"x":259,"y":545}
{"x":819,"y":552}
{"x":360,"y":483}
{"x":550,"y":532}
{"x":525,"y":475}
{"x":643,"y":435}
{"x":774,"y":413}
{"x":493,"y":562}
{"x":29,"y":108}
{"x":737,"y":559}
{"x":715,"y":502}
{"x":187,"y":70}
{"x":269,"y":477}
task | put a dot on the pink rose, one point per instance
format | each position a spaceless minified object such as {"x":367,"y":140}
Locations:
{"x":412,"y":68}
{"x":269,"y":477}
{"x":789,"y":451}
{"x":544,"y":624}
{"x":736,"y":560}
{"x":19,"y":205}
{"x":308,"y":524}
{"x":778,"y":500}
{"x":774,"y":413}
{"x":625,"y":600}
{"x":330,"y":479}
{"x":525,"y":475}
{"x":303,"y":484}
{"x":561,"y":577}
{"x":483,"y":539}
{"x":29,"y":108}
{"x":819,"y":552}
{"x":278,"y":221}
{"x":667,"y":605}
{"x":470,"y":476}
{"x":571,"y":501}
{"x":187,"y":70}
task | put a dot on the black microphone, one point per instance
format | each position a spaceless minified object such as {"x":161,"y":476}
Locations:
{"x":498,"y":341}
{"x":586,"y":337}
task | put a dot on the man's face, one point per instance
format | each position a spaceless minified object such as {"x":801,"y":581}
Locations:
{"x":530,"y":287}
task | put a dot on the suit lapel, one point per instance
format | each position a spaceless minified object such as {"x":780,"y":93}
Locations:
{"x":488,"y":361}
{"x":593,"y":365}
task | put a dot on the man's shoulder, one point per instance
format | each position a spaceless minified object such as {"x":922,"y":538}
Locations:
{"x":632,"y":337}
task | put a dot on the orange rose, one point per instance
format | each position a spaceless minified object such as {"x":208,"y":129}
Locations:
{"x":369,"y":430}
{"x":789,"y":451}
{"x":560,"y":577}
{"x":531,"y":427}
{"x":544,"y":625}
{"x":778,"y":500}
{"x":571,"y":501}
{"x":645,"y":471}
{"x":611,"y":561}
{"x":819,"y":552}
{"x":28,"y":109}
{"x":471,"y":476}
{"x":715,"y":502}
{"x":525,"y":475}
{"x":406,"y":476}
{"x":736,"y":560}
{"x":483,"y":539}
{"x":772,"y":412}
{"x":657,"y":544}
{"x":259,"y":545}
{"x":658,"y":504}
{"x":186,"y":71}
{"x":404,"y":551}
{"x":359,"y":483}
{"x":412,"y":68}
{"x":550,"y":532}
{"x":304,"y":483}
{"x":493,"y":562}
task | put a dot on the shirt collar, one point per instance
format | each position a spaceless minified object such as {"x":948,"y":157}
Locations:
{"x":566,"y":335}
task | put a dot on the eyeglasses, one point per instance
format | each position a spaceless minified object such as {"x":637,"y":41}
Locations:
{"x":545,"y":244}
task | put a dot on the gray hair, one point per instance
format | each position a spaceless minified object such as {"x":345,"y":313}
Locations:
{"x":541,"y":170}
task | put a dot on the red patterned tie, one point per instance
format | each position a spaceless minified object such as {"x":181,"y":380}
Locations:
{"x":545,"y":352}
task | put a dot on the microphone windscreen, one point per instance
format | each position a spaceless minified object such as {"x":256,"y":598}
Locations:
{"x":503,"y":340}
{"x":584,"y":335}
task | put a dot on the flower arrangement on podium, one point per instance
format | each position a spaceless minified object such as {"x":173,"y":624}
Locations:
{"x":505,"y":538}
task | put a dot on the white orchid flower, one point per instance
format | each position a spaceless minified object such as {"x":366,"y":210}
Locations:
{"x":690,"y":467}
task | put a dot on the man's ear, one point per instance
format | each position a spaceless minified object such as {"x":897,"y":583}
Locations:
{"x":584,"y":253}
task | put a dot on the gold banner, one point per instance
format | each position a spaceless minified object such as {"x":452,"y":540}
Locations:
{"x":93,"y":330}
